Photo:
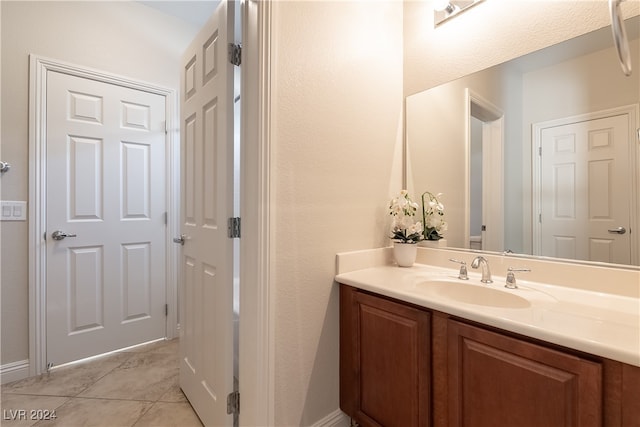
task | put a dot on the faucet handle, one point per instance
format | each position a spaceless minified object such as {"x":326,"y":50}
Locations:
{"x":463,"y":269}
{"x":511,"y":278}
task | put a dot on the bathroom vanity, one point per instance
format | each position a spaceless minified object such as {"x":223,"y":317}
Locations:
{"x":415,"y":352}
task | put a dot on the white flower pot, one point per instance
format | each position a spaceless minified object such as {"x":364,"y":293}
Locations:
{"x":405,"y":253}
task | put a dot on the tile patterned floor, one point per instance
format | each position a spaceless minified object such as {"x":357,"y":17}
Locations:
{"x":137,"y":387}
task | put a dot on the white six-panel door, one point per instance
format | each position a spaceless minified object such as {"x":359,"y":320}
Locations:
{"x":206,"y":335}
{"x":105,"y":282}
{"x":585,"y":170}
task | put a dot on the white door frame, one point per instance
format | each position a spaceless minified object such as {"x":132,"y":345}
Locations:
{"x":633,"y":111}
{"x":493,"y":177}
{"x":38,"y":68}
{"x":492,"y":167}
{"x":256,"y":358}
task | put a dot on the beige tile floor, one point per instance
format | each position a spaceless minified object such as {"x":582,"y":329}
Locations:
{"x":137,"y":387}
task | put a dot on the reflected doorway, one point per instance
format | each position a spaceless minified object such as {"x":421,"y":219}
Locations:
{"x":485,"y":146}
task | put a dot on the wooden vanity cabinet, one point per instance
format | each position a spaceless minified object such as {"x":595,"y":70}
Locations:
{"x":402,"y":365}
{"x":498,"y":380}
{"x":630,"y":396}
{"x":384,"y":361}
{"x":621,"y":394}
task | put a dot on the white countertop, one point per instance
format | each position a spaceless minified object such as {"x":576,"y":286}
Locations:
{"x":600,"y":323}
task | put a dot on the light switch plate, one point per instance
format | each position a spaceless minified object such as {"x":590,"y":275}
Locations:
{"x":13,"y":211}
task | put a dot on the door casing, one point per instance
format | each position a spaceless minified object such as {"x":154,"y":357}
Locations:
{"x":492,"y":119}
{"x":257,"y":347}
{"x":38,"y":68}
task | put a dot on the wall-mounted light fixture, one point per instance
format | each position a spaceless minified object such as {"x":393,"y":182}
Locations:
{"x":443,"y":10}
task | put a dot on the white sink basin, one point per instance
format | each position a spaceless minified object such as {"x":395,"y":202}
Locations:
{"x":473,"y":294}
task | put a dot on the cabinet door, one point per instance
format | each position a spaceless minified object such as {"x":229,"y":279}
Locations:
{"x":630,"y":396}
{"x":495,"y":380}
{"x":385,"y":368}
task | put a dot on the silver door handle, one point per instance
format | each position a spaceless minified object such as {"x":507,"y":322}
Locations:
{"x":180,"y":239}
{"x":59,"y":235}
{"x":619,"y":230}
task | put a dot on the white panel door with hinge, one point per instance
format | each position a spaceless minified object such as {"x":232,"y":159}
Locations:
{"x":585,"y":201}
{"x":105,"y":280}
{"x":206,"y":333}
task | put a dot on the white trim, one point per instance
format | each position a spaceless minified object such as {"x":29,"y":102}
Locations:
{"x":102,"y":355}
{"x":492,"y":202}
{"x":466,"y":229}
{"x":173,"y":213}
{"x":256,"y":358}
{"x":334,"y":419}
{"x":493,"y":177}
{"x":14,"y":371}
{"x":38,"y":68}
{"x":633,"y":111}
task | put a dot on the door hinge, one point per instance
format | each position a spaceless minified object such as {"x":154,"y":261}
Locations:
{"x":166,"y":218}
{"x":235,"y":54}
{"x":234,"y":228}
{"x":539,"y":151}
{"x":233,"y":403}
{"x":638,"y":134}
{"x":540,"y":218}
{"x":166,"y":310}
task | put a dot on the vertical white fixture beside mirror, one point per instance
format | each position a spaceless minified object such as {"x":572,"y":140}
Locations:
{"x":620,"y":36}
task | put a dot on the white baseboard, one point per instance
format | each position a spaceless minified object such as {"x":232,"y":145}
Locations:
{"x":14,"y":371}
{"x":334,"y":419}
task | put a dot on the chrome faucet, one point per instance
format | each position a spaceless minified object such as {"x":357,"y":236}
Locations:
{"x":486,"y":273}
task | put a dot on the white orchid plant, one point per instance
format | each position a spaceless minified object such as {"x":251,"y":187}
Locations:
{"x":433,"y":216}
{"x":405,"y":228}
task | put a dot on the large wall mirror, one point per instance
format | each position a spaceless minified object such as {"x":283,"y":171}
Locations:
{"x":537,"y":156}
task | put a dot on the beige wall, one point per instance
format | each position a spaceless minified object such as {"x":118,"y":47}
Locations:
{"x":336,"y":134}
{"x":599,"y":71}
{"x":124,"y":38}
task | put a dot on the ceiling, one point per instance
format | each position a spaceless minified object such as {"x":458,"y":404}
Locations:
{"x":193,"y":11}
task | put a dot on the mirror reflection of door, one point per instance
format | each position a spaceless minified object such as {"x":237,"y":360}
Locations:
{"x":584,"y":213}
{"x":485,"y":151}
